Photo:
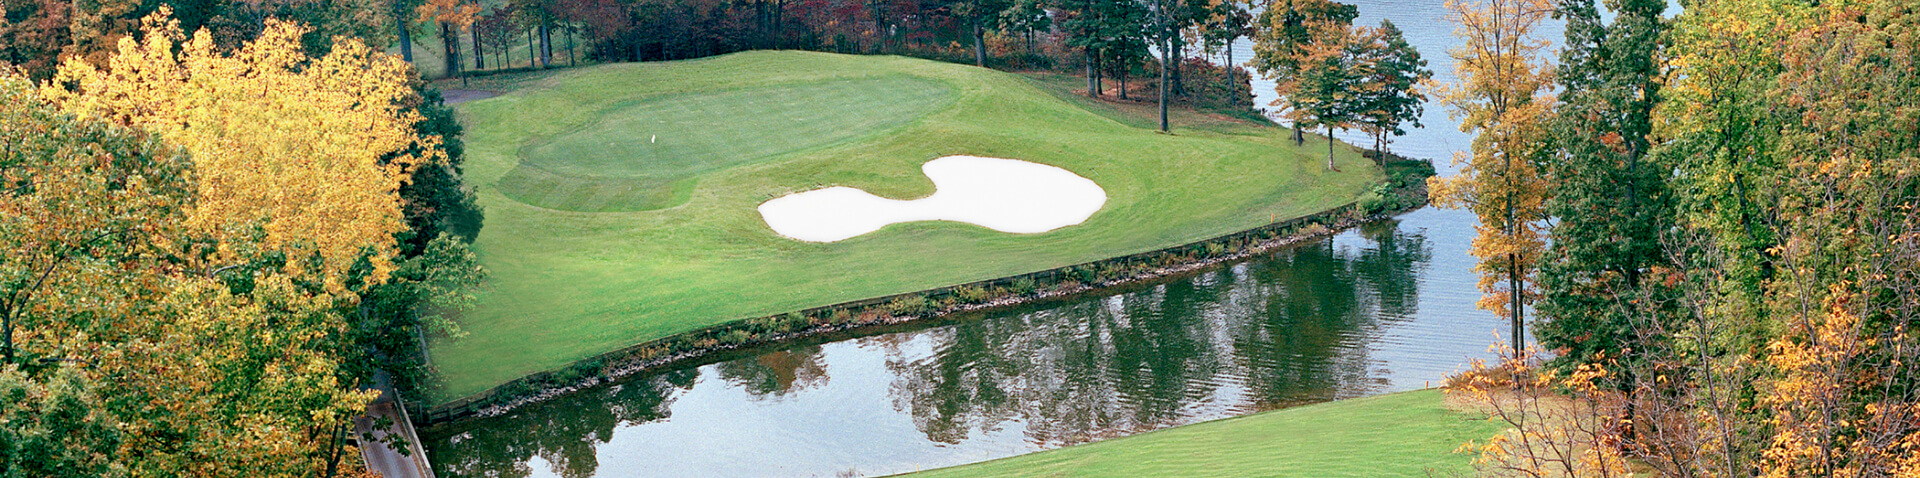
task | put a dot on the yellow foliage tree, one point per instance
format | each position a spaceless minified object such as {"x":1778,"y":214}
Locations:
{"x":193,"y":378}
{"x":294,"y":155}
{"x":1505,"y":96}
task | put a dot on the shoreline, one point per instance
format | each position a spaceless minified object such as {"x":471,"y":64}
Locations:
{"x":925,"y":306}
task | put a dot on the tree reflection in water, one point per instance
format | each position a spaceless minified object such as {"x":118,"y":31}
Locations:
{"x":776,"y":374}
{"x":1256,"y":336}
{"x":1290,"y":328}
{"x":561,"y":432}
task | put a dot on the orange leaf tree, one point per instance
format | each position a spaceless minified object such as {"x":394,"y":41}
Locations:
{"x":1504,"y":96}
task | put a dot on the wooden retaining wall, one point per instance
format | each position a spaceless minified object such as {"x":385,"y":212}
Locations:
{"x":647,"y":355}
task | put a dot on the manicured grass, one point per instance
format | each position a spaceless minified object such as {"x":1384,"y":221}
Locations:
{"x":637,"y":156}
{"x":567,"y":284}
{"x":1402,"y":434}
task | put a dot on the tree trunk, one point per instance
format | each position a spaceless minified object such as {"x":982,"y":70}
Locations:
{"x":1093,"y":88}
{"x":451,"y":46}
{"x":406,"y":38}
{"x":546,"y":45}
{"x":532,"y":53}
{"x":1330,"y":149}
{"x":1176,"y":51}
{"x":1233,"y":85}
{"x":479,"y":57}
{"x":1163,"y":91}
{"x":6,"y":323}
{"x":570,"y":60}
{"x":1379,"y":142}
{"x":979,"y":45}
{"x":1513,"y":293}
{"x":1299,"y":138}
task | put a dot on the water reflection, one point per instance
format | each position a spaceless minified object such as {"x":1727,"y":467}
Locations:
{"x":559,"y":433}
{"x":1322,"y":321}
{"x":775,"y":374}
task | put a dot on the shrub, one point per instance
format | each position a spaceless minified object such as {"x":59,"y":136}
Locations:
{"x":908,"y":305}
{"x":737,"y":336}
{"x":972,"y":294}
{"x":1022,"y":286}
{"x":793,"y":321}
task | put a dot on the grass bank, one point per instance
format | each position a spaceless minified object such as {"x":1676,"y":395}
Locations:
{"x":589,"y":253}
{"x":1401,"y":434}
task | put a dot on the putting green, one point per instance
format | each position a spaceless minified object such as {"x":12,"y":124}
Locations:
{"x":567,"y":283}
{"x":645,"y":154}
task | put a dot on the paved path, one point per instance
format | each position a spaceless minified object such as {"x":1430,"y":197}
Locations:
{"x":458,"y":96}
{"x":381,"y":458}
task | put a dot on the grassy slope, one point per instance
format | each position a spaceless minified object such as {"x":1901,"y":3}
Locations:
{"x":567,"y":285}
{"x":1402,"y":434}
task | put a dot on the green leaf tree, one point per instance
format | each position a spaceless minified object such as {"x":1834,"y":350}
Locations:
{"x":1391,"y":94}
{"x":1611,"y":202}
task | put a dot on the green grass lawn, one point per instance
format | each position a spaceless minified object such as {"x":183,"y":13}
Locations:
{"x":1402,"y":434}
{"x":686,"y":248}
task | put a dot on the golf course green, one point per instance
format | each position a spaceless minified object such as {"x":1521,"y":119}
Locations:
{"x":621,"y":199}
{"x":1402,"y":434}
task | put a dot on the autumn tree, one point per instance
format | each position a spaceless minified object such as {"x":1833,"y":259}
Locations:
{"x":451,"y":16}
{"x":250,"y":324}
{"x":1846,"y":401}
{"x":85,"y":220}
{"x":1504,"y":97}
{"x":1291,"y":31}
{"x":84,"y":200}
{"x":33,"y":34}
{"x":265,"y":171}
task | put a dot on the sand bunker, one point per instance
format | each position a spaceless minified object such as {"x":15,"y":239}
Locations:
{"x":1001,"y":194}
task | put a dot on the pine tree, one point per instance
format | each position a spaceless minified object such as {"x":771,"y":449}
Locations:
{"x":1611,"y":202}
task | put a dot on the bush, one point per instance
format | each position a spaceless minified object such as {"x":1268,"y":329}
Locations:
{"x":972,"y":294}
{"x":908,"y":305}
{"x":1022,"y":286}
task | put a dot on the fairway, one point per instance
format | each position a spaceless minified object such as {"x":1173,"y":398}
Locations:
{"x":1402,"y":434}
{"x":621,"y":199}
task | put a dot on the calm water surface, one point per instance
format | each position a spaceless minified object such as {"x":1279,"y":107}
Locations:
{"x":1386,"y":307}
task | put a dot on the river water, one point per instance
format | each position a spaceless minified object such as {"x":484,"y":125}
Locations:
{"x":1386,"y":307}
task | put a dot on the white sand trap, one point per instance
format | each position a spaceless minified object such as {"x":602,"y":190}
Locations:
{"x":1001,"y":194}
